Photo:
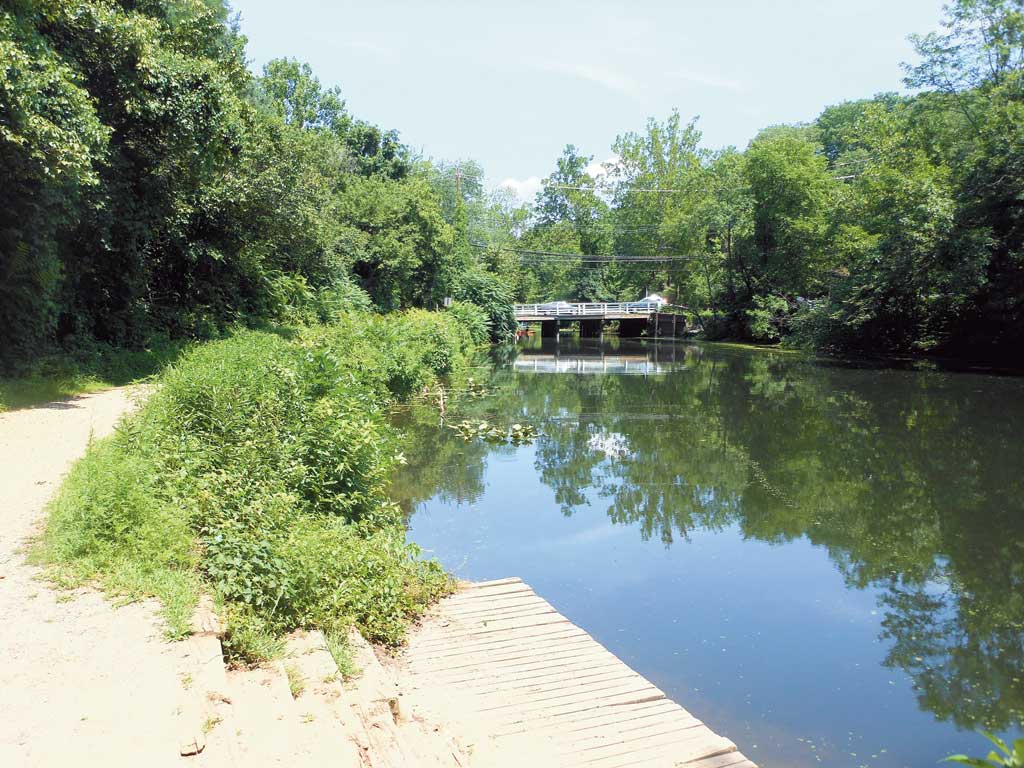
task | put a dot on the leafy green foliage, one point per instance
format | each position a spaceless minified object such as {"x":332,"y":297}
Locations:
{"x":88,"y":367}
{"x":665,"y":156}
{"x":474,"y":319}
{"x":260,"y":465}
{"x":110,"y":519}
{"x":888,"y":224}
{"x":294,"y":94}
{"x":153,"y":186}
{"x":1005,"y":757}
{"x":398,"y":243}
{"x":767,"y":319}
{"x":488,"y":293}
{"x":50,"y":138}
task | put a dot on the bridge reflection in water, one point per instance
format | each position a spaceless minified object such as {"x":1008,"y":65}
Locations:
{"x":584,"y":356}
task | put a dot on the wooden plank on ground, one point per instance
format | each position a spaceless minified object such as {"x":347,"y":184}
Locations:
{"x":506,"y":657}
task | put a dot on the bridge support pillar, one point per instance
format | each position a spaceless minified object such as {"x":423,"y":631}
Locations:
{"x":632,"y":328}
{"x":591,"y":329}
{"x":549,"y":329}
{"x":668,"y":325}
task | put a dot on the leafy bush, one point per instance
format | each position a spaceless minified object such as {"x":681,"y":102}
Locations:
{"x":768,"y":320}
{"x":488,"y":293}
{"x":111,"y":518}
{"x":474,"y":319}
{"x":343,"y":296}
{"x":813,"y":326}
{"x":260,"y":466}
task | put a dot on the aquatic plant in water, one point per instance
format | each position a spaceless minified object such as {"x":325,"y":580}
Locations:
{"x":516,"y":434}
{"x":1004,"y":758}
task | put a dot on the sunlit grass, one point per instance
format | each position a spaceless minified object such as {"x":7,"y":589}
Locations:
{"x":256,"y":472}
{"x":36,"y":390}
{"x":57,"y":376}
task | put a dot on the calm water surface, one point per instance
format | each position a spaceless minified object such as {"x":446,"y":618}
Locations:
{"x":823,"y":562}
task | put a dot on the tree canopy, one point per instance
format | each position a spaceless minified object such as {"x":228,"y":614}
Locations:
{"x":153,"y":185}
{"x":888,"y":224}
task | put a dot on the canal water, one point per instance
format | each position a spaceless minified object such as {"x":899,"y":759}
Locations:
{"x":823,"y":561}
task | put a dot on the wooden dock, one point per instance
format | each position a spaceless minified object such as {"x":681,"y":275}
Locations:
{"x":525,"y":675}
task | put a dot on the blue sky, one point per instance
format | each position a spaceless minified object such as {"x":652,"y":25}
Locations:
{"x":509,"y":84}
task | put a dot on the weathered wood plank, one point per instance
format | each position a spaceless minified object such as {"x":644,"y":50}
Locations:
{"x":450,"y":606}
{"x":524,"y":636}
{"x":558,"y":697}
{"x":509,"y":624}
{"x":651,"y":734}
{"x":729,"y":760}
{"x":508,"y":657}
{"x":463,"y":598}
{"x":469,"y":586}
{"x":535,"y":638}
{"x":459,"y":616}
{"x":605,"y":721}
{"x":553,"y":678}
{"x":679,"y":747}
{"x":632,"y":729}
{"x":517,"y":652}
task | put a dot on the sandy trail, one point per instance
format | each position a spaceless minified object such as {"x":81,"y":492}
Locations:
{"x":81,"y":682}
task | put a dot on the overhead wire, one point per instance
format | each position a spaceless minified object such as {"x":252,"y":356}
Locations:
{"x":592,"y":258}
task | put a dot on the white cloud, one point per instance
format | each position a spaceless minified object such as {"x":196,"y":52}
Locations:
{"x":598,"y":169}
{"x":525,"y":190}
{"x":369,"y":47}
{"x":704,"y":79}
{"x":594,"y":73}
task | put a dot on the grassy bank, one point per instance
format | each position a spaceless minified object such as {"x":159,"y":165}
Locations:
{"x":87,"y":369}
{"x":257,"y":471}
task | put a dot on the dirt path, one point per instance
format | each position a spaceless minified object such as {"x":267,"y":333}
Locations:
{"x":81,"y":682}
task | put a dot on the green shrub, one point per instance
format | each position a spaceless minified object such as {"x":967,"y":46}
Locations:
{"x":344,"y":296}
{"x":488,"y":293}
{"x":814,"y":327}
{"x":769,"y":318}
{"x":260,"y":467}
{"x":474,"y":319}
{"x":404,"y":352}
{"x":113,"y":519}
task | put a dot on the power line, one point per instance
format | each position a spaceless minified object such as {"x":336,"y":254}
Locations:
{"x":856,"y":161}
{"x":594,"y":258}
{"x":628,"y":189}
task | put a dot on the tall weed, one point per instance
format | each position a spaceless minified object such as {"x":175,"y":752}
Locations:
{"x":259,"y":468}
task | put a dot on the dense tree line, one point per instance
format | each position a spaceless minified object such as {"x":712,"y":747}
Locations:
{"x":152,"y":185}
{"x":894,"y":223}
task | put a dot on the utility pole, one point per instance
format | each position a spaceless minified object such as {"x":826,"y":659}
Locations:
{"x":458,"y":182}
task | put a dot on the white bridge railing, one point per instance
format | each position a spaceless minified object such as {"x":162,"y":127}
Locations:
{"x":595,"y":309}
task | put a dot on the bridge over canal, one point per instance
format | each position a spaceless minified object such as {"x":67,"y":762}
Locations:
{"x":633,"y":317}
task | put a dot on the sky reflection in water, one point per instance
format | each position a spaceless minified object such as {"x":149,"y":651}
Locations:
{"x":823,"y":562}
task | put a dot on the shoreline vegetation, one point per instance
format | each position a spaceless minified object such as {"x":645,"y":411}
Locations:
{"x":256,"y":471}
{"x":268,"y":260}
{"x":63,"y":375}
{"x":60,"y":375}
{"x":158,"y":192}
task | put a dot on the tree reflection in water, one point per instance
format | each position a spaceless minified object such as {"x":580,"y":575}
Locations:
{"x":911,"y":479}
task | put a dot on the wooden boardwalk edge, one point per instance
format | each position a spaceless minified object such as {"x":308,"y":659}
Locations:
{"x":504,"y":658}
